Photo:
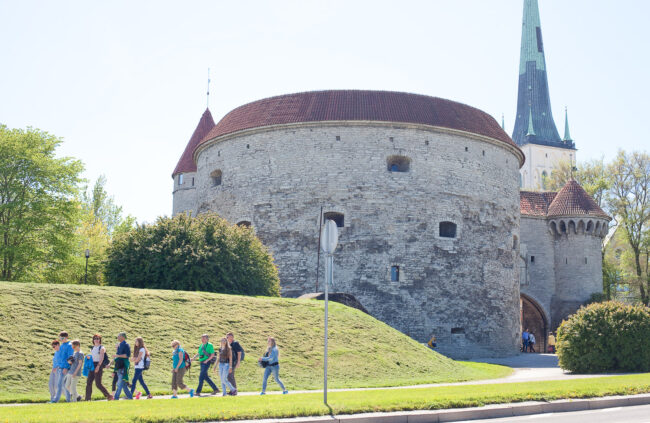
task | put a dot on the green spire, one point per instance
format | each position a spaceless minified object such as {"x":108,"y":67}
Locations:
{"x":531,"y":130}
{"x":567,"y":134}
{"x":532,"y":48}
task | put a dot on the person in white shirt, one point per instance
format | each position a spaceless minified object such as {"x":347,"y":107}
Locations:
{"x":531,"y":340}
{"x":97,"y":352}
{"x":140,"y":355}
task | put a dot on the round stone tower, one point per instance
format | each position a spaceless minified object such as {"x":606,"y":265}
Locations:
{"x":578,"y":226}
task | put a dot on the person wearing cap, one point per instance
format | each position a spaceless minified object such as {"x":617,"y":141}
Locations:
{"x":122,"y":366}
{"x":56,"y":345}
{"x":206,"y":357}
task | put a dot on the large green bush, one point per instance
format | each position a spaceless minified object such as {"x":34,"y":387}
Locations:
{"x":203,"y":253}
{"x":605,"y":337}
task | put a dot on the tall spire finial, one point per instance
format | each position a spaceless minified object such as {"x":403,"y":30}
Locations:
{"x":503,"y":122}
{"x":567,"y":134}
{"x":531,"y":129}
{"x":207,"y":94}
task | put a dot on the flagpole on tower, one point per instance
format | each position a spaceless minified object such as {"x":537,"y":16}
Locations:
{"x":207,"y":95}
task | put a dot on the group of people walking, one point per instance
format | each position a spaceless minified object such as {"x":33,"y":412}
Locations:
{"x":528,"y":342}
{"x":69,"y":364}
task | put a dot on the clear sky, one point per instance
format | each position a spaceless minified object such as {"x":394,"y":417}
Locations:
{"x":124,"y":82}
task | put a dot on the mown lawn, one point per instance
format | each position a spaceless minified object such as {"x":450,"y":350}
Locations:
{"x":364,"y":352}
{"x":278,"y":406}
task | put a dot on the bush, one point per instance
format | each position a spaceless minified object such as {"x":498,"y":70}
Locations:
{"x":605,"y":337}
{"x":203,"y":253}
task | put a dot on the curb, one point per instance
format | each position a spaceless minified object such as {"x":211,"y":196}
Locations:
{"x":486,"y":412}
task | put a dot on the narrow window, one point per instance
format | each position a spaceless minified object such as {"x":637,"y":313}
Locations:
{"x":192,"y":181}
{"x":457,"y":330}
{"x":216,"y":177}
{"x":566,"y":260}
{"x":248,"y":146}
{"x":426,"y":142}
{"x":180,"y":179}
{"x":466,"y":149}
{"x":390,"y":139}
{"x":585,"y":260}
{"x":398,"y":164}
{"x":394,"y":273}
{"x":338,"y":138}
{"x":338,"y":218}
{"x":447,"y":230}
{"x":244,"y":223}
{"x":532,"y":259}
{"x":484,"y":152}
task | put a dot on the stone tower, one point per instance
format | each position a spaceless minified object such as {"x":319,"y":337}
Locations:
{"x":184,"y":175}
{"x":577,"y":226}
{"x":535,"y":131}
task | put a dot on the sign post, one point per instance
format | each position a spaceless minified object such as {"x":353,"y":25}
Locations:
{"x":329,"y":241}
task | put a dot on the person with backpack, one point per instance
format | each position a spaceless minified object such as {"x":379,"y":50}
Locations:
{"x":101,"y":361}
{"x":237,"y":357}
{"x":271,"y":364}
{"x":207,"y":357}
{"x":180,"y":364}
{"x":225,"y":367}
{"x":122,"y":366}
{"x":140,"y":360}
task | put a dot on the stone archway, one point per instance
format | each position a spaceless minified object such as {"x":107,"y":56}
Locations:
{"x":533,"y":319}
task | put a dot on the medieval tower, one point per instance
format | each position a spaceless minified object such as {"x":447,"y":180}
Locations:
{"x":535,"y":131}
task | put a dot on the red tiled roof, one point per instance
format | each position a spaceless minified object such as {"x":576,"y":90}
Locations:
{"x":532,"y":203}
{"x":573,"y":200}
{"x":351,"y":105}
{"x":186,"y":162}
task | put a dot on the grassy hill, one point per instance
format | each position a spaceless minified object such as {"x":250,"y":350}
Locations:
{"x":364,"y":352}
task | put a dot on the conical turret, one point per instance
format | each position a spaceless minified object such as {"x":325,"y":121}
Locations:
{"x":186,"y":162}
{"x":533,"y":101}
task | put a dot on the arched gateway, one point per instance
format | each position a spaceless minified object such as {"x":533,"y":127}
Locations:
{"x":534,"y":319}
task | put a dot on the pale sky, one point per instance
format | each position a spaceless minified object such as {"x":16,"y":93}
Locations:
{"x":124,"y":82}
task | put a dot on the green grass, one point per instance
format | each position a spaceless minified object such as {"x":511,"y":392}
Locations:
{"x":364,"y":352}
{"x":278,"y":406}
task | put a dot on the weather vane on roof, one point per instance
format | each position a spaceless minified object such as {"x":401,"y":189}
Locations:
{"x":207,"y":95}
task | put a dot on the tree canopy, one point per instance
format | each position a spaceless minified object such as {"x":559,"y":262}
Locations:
{"x":203,"y":253}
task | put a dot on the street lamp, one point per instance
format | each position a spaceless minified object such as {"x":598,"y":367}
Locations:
{"x":329,"y":241}
{"x":86,"y":277}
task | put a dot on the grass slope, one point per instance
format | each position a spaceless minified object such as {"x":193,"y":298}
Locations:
{"x":278,"y":406}
{"x":364,"y":352}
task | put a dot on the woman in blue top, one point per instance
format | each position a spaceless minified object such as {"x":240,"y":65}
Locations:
{"x":178,"y":364}
{"x":271,"y":358}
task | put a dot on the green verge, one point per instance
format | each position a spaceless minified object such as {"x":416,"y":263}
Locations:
{"x":364,"y":352}
{"x":279,"y":406}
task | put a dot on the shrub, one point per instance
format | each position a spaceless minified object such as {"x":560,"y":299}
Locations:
{"x":605,"y":337}
{"x":203,"y":253}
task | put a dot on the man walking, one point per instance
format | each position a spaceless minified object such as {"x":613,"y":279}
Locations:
{"x":65,"y":351}
{"x":206,"y":358}
{"x":525,"y":337}
{"x":122,"y":366}
{"x":237,"y":355}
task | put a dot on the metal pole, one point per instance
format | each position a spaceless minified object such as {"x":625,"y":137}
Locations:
{"x":86,"y":276}
{"x":320,"y":230}
{"x":328,"y":279}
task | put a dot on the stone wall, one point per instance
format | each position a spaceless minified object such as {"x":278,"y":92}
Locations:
{"x":184,"y":196}
{"x":464,"y":290}
{"x":537,"y":241}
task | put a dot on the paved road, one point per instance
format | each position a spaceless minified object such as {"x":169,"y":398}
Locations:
{"x":637,"y":414}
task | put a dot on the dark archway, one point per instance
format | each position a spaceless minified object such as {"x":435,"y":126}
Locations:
{"x":533,"y":319}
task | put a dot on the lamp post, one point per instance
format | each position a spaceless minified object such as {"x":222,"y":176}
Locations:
{"x":329,"y":241}
{"x":86,"y":277}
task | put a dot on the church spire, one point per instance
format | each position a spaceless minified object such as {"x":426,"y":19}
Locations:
{"x":567,"y":135}
{"x":533,"y":101}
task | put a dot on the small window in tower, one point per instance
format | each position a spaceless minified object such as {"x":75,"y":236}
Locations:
{"x":546,"y":155}
{"x":398,"y":164}
{"x":215,"y":176}
{"x":426,"y":142}
{"x":566,"y":260}
{"x":248,"y":146}
{"x":484,"y":152}
{"x":532,"y":259}
{"x":447,"y":230}
{"x":466,"y":148}
{"x":180,"y":179}
{"x":394,"y":273}
{"x":338,"y":218}
{"x":338,"y":138}
{"x":192,"y":181}
{"x":585,"y":260}
{"x":390,"y":139}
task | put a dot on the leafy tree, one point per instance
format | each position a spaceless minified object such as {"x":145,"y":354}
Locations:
{"x":629,"y":199}
{"x":38,"y":210}
{"x":593,"y":176}
{"x":102,"y":205}
{"x":202,"y":253}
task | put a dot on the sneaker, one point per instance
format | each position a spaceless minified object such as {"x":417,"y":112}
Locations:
{"x":174,"y":397}
{"x":192,"y":393}
{"x":285,"y":392}
{"x":149,"y":396}
{"x":138,"y":395}
{"x":215,"y":392}
{"x":110,"y":398}
{"x":224,"y":394}
{"x":233,"y":393}
{"x":79,"y":398}
{"x":262,"y":393}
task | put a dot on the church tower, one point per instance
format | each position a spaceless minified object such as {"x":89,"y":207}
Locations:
{"x":535,"y":131}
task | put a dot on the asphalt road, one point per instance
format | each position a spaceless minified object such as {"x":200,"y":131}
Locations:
{"x":637,"y":414}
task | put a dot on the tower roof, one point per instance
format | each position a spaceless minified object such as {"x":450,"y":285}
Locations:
{"x":573,"y":200}
{"x":533,"y":101}
{"x":186,"y":162}
{"x":357,"y":105}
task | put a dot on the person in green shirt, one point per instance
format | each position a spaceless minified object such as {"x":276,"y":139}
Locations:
{"x":206,"y":359}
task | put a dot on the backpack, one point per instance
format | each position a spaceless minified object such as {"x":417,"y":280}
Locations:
{"x":106,"y":361}
{"x":188,"y":361}
{"x":147,"y":363}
